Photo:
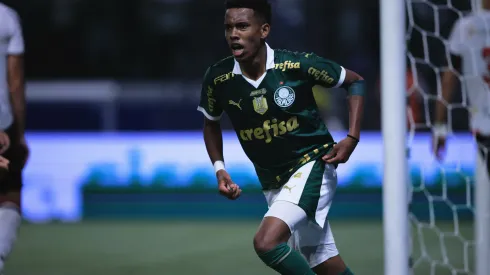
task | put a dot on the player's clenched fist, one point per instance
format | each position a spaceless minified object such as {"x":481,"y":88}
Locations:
{"x":226,"y":186}
{"x":341,"y":151}
{"x":4,"y":142}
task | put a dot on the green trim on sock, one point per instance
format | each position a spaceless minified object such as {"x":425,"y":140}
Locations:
{"x":286,"y":261}
{"x":275,"y":255}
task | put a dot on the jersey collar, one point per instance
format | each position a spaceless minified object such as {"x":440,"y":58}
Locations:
{"x":269,"y":65}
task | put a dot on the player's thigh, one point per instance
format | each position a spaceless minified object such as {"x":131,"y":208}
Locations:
{"x":316,"y":244}
{"x":311,"y":187}
{"x":319,"y":191}
{"x":283,"y":202}
{"x":278,"y":224}
{"x":291,"y":214}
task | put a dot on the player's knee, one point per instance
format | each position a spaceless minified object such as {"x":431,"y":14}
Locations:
{"x":264,"y":243}
{"x":272,"y":232}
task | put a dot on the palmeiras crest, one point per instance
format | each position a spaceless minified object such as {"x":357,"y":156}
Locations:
{"x":284,"y":96}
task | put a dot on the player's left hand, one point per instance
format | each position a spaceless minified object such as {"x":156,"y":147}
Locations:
{"x":341,"y":151}
{"x":4,"y":166}
{"x":4,"y":142}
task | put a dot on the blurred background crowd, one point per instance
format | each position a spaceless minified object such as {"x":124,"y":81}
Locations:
{"x":152,"y":54}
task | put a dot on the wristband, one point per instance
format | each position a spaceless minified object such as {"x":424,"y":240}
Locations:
{"x":354,"y":138}
{"x":218,"y":165}
{"x":358,"y":87}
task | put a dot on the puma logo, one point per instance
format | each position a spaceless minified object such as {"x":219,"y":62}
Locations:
{"x":231,"y":102}
{"x":289,"y":188}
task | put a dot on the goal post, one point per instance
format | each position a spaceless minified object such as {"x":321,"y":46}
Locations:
{"x":482,"y":219}
{"x":393,"y":101}
{"x":482,"y":205}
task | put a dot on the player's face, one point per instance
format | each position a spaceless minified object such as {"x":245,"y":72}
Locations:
{"x":244,"y":33}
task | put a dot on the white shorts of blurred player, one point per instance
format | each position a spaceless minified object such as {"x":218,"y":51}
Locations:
{"x":303,"y":204}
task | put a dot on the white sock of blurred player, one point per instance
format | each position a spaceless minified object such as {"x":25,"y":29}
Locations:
{"x":10,"y":220}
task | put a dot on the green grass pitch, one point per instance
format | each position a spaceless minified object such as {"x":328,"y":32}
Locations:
{"x":196,"y":247}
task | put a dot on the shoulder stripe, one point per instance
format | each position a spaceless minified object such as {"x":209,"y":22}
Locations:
{"x":343,"y":72}
{"x":208,"y":116}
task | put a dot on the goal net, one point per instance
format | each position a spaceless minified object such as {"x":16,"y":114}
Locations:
{"x":442,"y":208}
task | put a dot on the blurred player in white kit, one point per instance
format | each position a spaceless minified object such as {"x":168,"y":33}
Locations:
{"x":469,"y":45}
{"x":13,"y":146}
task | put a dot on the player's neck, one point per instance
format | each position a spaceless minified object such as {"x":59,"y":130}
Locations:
{"x":255,"y":68}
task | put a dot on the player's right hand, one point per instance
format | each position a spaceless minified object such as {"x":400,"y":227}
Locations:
{"x":4,"y":142}
{"x":226,"y":186}
{"x":439,"y":133}
{"x":438,"y":147}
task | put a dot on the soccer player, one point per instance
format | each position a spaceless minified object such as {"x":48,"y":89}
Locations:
{"x":469,"y":45}
{"x":268,"y":96}
{"x":12,"y":102}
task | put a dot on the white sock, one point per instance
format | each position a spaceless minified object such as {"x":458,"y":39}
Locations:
{"x":10,"y":220}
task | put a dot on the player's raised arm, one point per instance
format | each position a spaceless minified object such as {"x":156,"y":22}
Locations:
{"x":439,"y":131}
{"x":15,"y":68}
{"x":213,"y":137}
{"x":16,"y":86}
{"x":354,"y":84}
{"x":356,"y":87}
{"x":15,"y":80}
{"x":449,"y":82}
{"x":324,"y":72}
{"x":212,"y":112}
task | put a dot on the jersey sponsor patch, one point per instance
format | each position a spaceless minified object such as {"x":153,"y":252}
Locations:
{"x":270,"y":129}
{"x":260,"y":104}
{"x":284,"y":96}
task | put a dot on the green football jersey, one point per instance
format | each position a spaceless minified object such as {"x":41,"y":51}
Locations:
{"x":276,"y":117}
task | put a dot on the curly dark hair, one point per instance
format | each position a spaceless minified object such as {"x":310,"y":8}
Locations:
{"x":262,"y":8}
